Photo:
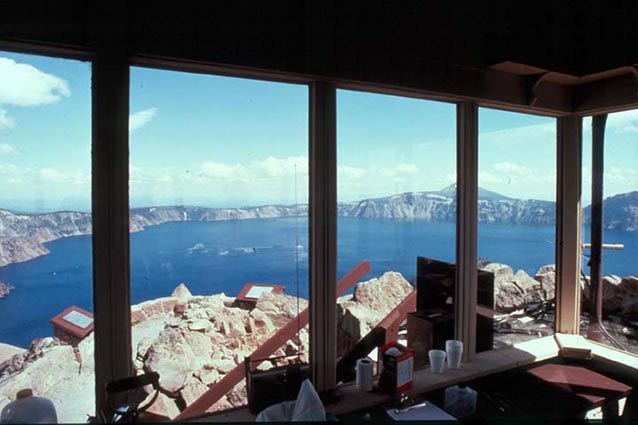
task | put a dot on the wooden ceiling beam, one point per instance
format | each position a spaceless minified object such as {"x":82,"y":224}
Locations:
{"x":609,"y":95}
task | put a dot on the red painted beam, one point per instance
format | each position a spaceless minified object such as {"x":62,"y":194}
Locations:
{"x":279,"y":338}
{"x":393,"y":320}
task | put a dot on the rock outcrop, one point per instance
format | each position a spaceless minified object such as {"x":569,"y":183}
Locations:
{"x":51,"y":370}
{"x":513,"y":291}
{"x":620,"y":295}
{"x":192,"y":342}
{"x":371,"y":301}
{"x":5,"y":289}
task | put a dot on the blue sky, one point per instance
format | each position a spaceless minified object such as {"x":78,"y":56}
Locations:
{"x":219,"y":141}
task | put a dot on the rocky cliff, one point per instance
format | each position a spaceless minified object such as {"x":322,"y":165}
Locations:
{"x":620,"y":212}
{"x":440,"y":206}
{"x":23,"y":236}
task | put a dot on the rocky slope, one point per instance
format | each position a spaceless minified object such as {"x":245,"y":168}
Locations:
{"x":192,"y":341}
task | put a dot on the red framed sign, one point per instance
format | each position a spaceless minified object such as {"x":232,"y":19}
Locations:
{"x":252,"y":291}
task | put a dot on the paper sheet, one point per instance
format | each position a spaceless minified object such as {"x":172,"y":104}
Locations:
{"x":429,"y":412}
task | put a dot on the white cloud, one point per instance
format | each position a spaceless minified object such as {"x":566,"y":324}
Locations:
{"x":220,"y":171}
{"x":515,"y":135}
{"x":22,"y":84}
{"x":278,"y":167}
{"x":5,"y":120}
{"x":619,"y":122}
{"x":140,"y":118}
{"x":399,"y":170}
{"x":615,"y":174}
{"x":513,"y":170}
{"x":6,"y":149}
{"x":46,"y":175}
{"x":51,"y":175}
{"x":350,"y":173}
{"x":624,"y":122}
{"x":486,"y":178}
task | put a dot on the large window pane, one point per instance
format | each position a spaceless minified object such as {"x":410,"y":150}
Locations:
{"x":620,"y":230}
{"x":516,"y":226}
{"x":219,"y":192}
{"x":396,"y":166}
{"x":45,"y":227}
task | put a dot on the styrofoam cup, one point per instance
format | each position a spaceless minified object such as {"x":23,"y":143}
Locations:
{"x":454,"y":351}
{"x":437,"y":360}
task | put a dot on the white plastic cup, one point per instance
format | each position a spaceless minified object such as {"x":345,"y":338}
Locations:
{"x":364,"y":376}
{"x":437,"y":360}
{"x":454,"y":351}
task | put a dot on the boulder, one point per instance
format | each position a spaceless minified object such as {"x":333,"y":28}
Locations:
{"x":507,"y":296}
{"x":201,"y":325}
{"x":358,"y":320}
{"x":383,"y":293}
{"x":549,"y":268}
{"x":237,"y":397}
{"x":225,"y":365}
{"x":612,"y":295}
{"x":628,"y":293}
{"x":262,"y":323}
{"x":143,"y":347}
{"x":181,"y":292}
{"x":531,"y":289}
{"x":500,"y":271}
{"x":192,"y":391}
{"x":7,"y":351}
{"x":164,"y":406}
{"x":221,"y":404}
{"x":629,"y":286}
{"x":171,"y":356}
{"x":547,"y":280}
{"x":372,"y":300}
{"x":180,"y":308}
{"x":209,"y":377}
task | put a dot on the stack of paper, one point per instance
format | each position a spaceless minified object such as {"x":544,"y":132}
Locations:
{"x":427,"y":412}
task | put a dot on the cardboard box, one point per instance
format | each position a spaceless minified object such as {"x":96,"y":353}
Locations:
{"x":396,"y":372}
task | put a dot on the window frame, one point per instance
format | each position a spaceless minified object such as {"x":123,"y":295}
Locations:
{"x":111,"y":284}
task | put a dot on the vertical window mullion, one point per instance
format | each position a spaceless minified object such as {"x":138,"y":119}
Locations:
{"x":111,"y":280}
{"x":568,"y":223}
{"x":466,"y":227}
{"x":323,"y":234}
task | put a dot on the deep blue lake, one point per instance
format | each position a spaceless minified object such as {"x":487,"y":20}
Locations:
{"x":214,"y":257}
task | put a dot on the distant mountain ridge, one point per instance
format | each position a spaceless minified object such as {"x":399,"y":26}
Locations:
{"x":22,"y":236}
{"x":440,"y":206}
{"x":620,"y":212}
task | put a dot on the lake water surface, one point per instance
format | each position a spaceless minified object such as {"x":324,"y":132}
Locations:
{"x":214,"y":257}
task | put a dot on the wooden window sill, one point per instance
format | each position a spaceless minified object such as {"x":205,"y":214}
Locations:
{"x":424,"y":380}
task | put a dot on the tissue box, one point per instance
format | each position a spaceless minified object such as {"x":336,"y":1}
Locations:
{"x":396,"y":368}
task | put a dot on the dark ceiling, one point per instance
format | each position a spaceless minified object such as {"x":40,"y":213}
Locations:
{"x":327,"y":36}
